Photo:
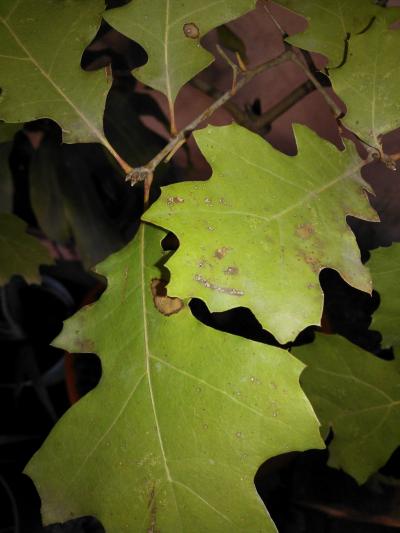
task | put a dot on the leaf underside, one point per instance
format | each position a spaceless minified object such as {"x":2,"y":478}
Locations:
{"x":159,"y":26}
{"x":41,"y":45}
{"x":368,"y":83}
{"x":189,"y":415}
{"x":358,"y":396}
{"x":384,"y":266}
{"x":331,"y":23}
{"x":258,"y":233}
{"x":20,"y":253}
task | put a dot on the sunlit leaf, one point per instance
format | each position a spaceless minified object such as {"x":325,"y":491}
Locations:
{"x":20,"y":253}
{"x":171,"y":438}
{"x":358,"y":396}
{"x":258,"y":233}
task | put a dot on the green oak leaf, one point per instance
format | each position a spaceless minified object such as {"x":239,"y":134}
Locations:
{"x":20,"y":253}
{"x":358,"y":396}
{"x":258,"y":233}
{"x":368,"y":83}
{"x":384,"y":266}
{"x":41,"y":45}
{"x":331,"y":22}
{"x":170,"y":32}
{"x":172,"y":436}
{"x":7,"y":131}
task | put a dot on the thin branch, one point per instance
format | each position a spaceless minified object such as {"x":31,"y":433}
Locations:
{"x":332,"y":104}
{"x":145,"y":172}
{"x":281,"y":107}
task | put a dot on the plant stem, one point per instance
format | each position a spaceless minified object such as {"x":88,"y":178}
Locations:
{"x":145,"y":172}
{"x":332,"y":104}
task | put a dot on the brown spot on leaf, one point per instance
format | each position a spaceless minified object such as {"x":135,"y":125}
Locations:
{"x":85,"y":346}
{"x":166,"y":305}
{"x":152,"y":506}
{"x":172,"y":200}
{"x":231,"y":271}
{"x":220,"y":253}
{"x":310,"y":260}
{"x":191,"y":30}
{"x":214,"y":287}
{"x":304,"y":231}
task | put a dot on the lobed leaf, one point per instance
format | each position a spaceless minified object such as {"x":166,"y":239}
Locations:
{"x":171,"y":438}
{"x":358,"y":396}
{"x":368,"y":83}
{"x":170,"y":32}
{"x":384,"y":266}
{"x":331,"y":23}
{"x":41,"y":46}
{"x":20,"y":253}
{"x":258,"y":233}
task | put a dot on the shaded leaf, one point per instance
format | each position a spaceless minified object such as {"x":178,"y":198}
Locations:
{"x":230,"y":40}
{"x":331,"y":22}
{"x":6,"y":182}
{"x":41,"y":47}
{"x":96,"y":234}
{"x":170,"y":32}
{"x":384,"y":266}
{"x":258,"y":233}
{"x":171,"y":438}
{"x":358,"y":396}
{"x":20,"y":253}
{"x":45,"y":192}
{"x":7,"y":131}
{"x":368,"y":83}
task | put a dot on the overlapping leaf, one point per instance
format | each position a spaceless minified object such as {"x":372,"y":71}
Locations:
{"x":41,"y":45}
{"x":7,"y":132}
{"x":183,"y":416}
{"x":358,"y":396}
{"x":258,"y":233}
{"x":368,"y":83}
{"x":384,"y":266}
{"x":170,"y":32}
{"x":331,"y":23}
{"x":20,"y":253}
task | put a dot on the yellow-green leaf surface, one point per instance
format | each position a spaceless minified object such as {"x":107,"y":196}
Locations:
{"x":20,"y":253}
{"x":172,"y":436}
{"x":330,"y":23}
{"x":358,"y":396}
{"x":170,"y":32}
{"x":41,"y":45}
{"x":258,"y":233}
{"x":384,"y":266}
{"x":368,"y":83}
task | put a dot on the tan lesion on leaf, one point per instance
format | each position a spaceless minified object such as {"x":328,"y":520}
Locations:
{"x":84,"y":346}
{"x":162,"y":302}
{"x":310,"y":260}
{"x":305,"y":231}
{"x":231,"y":271}
{"x":213,"y":286}
{"x":220,"y":253}
{"x":173,"y":200}
{"x":152,"y":506}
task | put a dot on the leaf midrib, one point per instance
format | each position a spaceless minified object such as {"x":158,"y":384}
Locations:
{"x":73,"y":106}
